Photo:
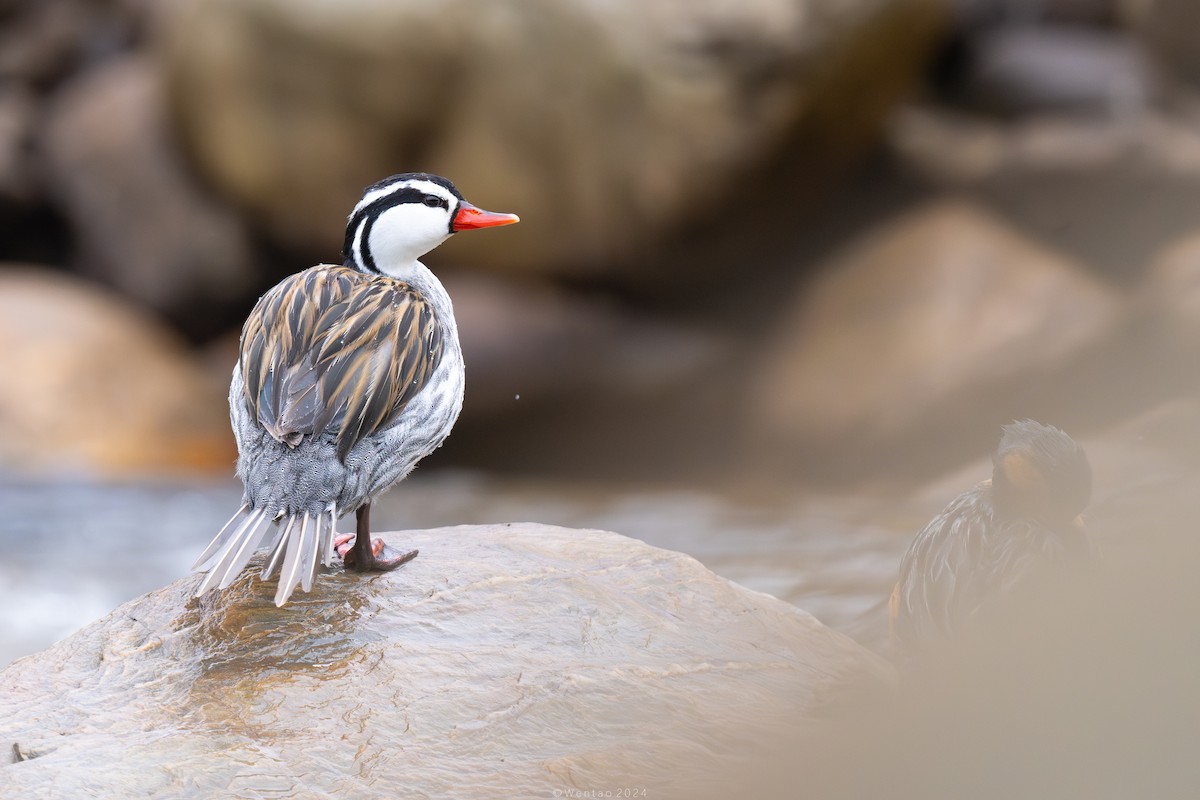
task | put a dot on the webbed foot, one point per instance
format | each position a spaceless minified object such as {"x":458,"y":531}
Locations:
{"x":378,"y":557}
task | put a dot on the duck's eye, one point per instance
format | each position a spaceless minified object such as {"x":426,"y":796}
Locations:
{"x":435,"y":202}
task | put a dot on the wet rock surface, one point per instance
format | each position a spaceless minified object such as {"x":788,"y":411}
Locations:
{"x":507,"y":660}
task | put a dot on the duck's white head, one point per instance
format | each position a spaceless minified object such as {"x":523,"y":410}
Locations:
{"x":401,"y":218}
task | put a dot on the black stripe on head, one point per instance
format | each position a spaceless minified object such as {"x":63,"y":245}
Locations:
{"x":365,"y":217}
{"x":414,"y":176}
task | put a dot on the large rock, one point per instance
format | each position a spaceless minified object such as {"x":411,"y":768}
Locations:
{"x":144,"y":225}
{"x":916,"y":343}
{"x":506,"y":661}
{"x":93,"y":386}
{"x":605,"y":125}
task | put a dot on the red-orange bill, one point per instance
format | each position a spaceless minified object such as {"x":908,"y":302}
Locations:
{"x":469,"y":217}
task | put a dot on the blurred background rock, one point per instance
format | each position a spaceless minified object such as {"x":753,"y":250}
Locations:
{"x":189,"y":154}
{"x":779,"y":247}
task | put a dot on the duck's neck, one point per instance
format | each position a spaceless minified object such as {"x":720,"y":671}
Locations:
{"x":422,"y":279}
{"x":410,"y":271}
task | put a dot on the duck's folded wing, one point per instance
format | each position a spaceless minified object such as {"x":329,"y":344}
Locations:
{"x":330,"y":350}
{"x":941,"y":583}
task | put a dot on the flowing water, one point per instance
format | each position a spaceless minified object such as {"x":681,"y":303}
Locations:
{"x":76,"y":550}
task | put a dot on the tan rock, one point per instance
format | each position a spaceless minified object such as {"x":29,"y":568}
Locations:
{"x":605,"y":126}
{"x":943,"y":321}
{"x":507,"y":660}
{"x":91,"y":385}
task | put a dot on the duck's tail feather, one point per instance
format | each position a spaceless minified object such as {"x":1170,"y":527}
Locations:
{"x":221,"y":538}
{"x":327,"y":533}
{"x":305,"y":544}
{"x":302,"y":542}
{"x":234,"y":546}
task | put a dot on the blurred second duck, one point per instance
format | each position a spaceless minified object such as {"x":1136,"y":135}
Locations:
{"x":1023,"y":522}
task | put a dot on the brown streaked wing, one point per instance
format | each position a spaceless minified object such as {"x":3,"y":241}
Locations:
{"x":333,"y":350}
{"x":939,"y":584}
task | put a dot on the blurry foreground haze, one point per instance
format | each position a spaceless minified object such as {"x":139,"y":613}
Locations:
{"x":784,"y":268}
